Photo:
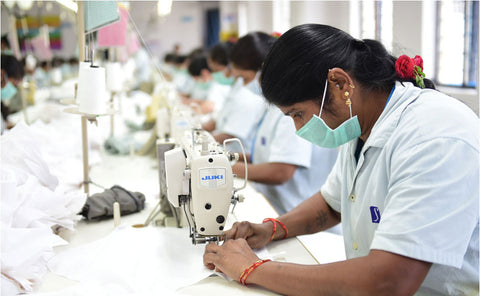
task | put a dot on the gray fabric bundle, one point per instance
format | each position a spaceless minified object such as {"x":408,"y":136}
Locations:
{"x":100,"y":205}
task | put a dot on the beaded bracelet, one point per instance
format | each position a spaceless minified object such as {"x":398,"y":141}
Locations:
{"x":250,"y":269}
{"x":275,"y":221}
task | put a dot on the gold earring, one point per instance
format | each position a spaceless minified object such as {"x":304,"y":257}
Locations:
{"x":352,"y":86}
{"x":347,"y":93}
{"x":348,"y":102}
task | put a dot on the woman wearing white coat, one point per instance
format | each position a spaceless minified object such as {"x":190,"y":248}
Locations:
{"x":405,"y":185}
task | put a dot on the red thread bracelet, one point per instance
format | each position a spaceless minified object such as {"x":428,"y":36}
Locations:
{"x":274,"y":226}
{"x":250,"y":269}
{"x":275,"y":221}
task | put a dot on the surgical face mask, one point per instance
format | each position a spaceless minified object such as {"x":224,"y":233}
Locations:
{"x":319,"y":133}
{"x":220,"y":78}
{"x":8,"y":91}
{"x":202,"y":85}
{"x":7,"y":51}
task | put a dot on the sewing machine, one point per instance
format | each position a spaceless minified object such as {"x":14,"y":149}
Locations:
{"x":199,"y":179}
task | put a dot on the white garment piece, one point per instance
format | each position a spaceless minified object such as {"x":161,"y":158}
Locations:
{"x":139,"y":261}
{"x":415,"y":189}
{"x":276,"y":141}
{"x":241,"y":112}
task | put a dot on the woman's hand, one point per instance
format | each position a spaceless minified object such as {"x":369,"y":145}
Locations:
{"x":231,"y":258}
{"x":256,"y":235}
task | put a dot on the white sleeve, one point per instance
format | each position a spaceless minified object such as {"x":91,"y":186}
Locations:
{"x":287,"y":147}
{"x":247,"y":111}
{"x":432,"y":202}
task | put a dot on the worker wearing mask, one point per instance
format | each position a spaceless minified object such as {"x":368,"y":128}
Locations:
{"x":11,"y":76}
{"x":285,"y":168}
{"x":405,"y":185}
{"x":244,"y":105}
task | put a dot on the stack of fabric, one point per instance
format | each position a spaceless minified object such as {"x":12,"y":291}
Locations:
{"x":35,"y":205}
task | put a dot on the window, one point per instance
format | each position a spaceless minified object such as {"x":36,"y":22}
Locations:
{"x":457,"y":43}
{"x":376,"y":21}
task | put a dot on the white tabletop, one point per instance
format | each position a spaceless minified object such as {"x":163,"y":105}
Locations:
{"x":140,"y":173}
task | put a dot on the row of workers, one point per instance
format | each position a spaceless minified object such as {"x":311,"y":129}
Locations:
{"x":284,"y":167}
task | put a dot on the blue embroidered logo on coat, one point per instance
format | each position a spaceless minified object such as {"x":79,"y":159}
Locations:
{"x":375,"y":213}
{"x":264,"y":141}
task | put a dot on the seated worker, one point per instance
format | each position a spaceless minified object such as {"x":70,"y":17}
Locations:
{"x":284,"y":167}
{"x":218,"y":62}
{"x":183,"y":81}
{"x":405,"y":184}
{"x":198,"y":69}
{"x":168,"y":66}
{"x":12,"y":73}
{"x":41,"y":75}
{"x":244,"y":105}
{"x":207,"y":93}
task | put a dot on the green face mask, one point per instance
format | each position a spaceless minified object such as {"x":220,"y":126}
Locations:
{"x":316,"y":131}
{"x":8,"y":92}
{"x":220,"y":78}
{"x":202,"y":85}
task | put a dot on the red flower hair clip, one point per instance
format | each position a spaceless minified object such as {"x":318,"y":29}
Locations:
{"x":276,"y":35}
{"x":409,"y":68}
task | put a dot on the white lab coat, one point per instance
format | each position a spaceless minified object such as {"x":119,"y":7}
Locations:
{"x":241,"y":112}
{"x":415,"y":189}
{"x":276,"y":142}
{"x":217,"y":94}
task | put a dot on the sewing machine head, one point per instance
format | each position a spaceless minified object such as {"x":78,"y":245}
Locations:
{"x":199,"y":178}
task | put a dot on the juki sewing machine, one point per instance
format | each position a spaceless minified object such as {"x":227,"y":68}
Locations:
{"x":199,"y":180}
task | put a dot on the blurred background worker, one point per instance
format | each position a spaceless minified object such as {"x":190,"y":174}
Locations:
{"x":244,"y":106}
{"x":11,"y":74}
{"x":212,"y":79}
{"x":284,"y":167}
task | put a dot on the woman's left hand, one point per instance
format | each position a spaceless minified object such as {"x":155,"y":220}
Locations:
{"x":231,"y":258}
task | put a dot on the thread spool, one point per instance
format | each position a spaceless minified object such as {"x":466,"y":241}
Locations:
{"x":81,"y":66}
{"x":92,"y":94}
{"x":115,"y":78}
{"x":116,"y":214}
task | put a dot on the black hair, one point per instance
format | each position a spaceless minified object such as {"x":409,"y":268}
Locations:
{"x":5,"y":40}
{"x":195,"y":52}
{"x":295,"y":69}
{"x":73,"y":60}
{"x":12,"y":66}
{"x":180,"y":59}
{"x":250,"y":51}
{"x":197,"y":64}
{"x":220,"y":52}
{"x":169,"y":58}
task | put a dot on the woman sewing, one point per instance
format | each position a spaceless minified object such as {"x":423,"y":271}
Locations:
{"x":405,"y":184}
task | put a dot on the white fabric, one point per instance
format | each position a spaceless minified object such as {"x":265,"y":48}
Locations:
{"x":240,"y":114}
{"x":33,"y":203}
{"x":144,"y":260}
{"x":276,"y":141}
{"x":420,"y":169}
